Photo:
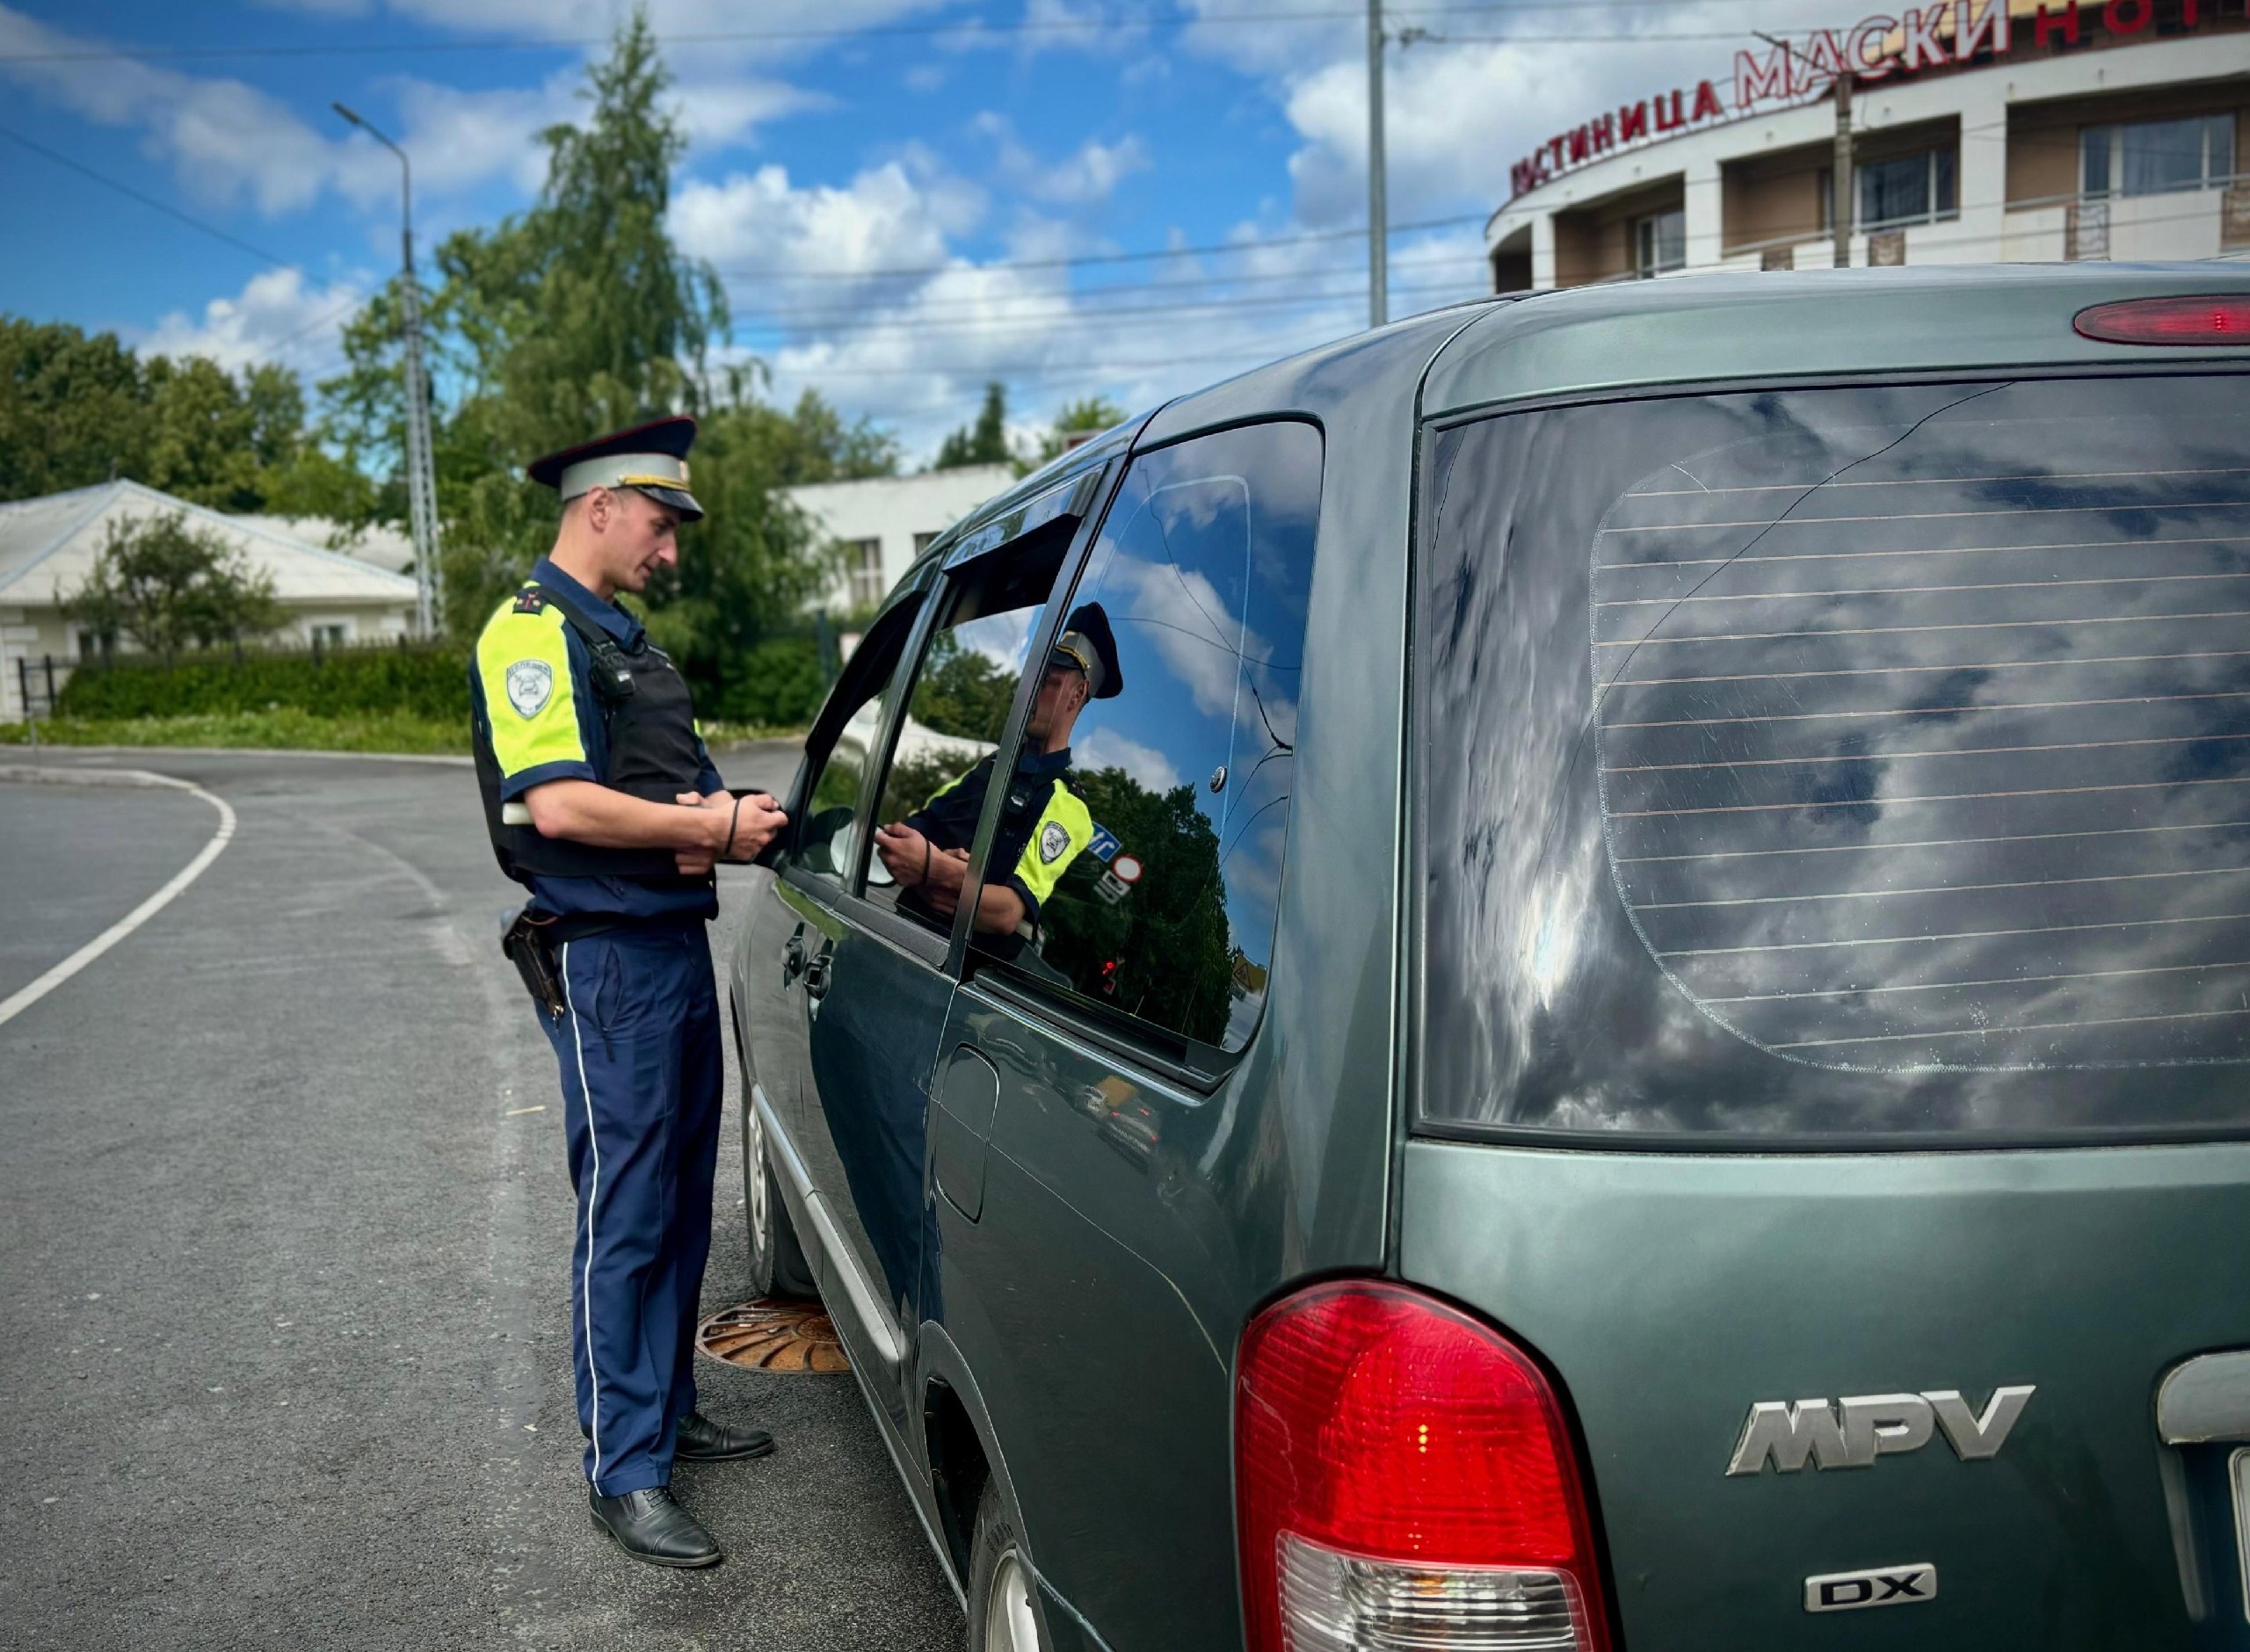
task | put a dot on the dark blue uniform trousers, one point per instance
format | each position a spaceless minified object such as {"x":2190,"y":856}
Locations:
{"x":642,"y":1076}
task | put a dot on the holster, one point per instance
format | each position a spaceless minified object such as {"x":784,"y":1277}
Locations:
{"x":528,"y":943}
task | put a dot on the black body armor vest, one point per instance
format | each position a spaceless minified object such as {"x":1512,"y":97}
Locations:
{"x":653,"y":755}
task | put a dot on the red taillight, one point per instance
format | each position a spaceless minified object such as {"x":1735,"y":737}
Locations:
{"x":1403,"y":1479}
{"x":2168,"y":320}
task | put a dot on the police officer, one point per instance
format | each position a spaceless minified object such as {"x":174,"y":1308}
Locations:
{"x":600,"y":796}
{"x":1044,"y":824}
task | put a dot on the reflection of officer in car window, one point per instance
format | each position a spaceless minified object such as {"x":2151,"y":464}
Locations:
{"x":1044,"y":824}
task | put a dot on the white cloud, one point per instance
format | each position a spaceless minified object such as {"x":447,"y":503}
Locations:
{"x":1458,"y":110}
{"x":1086,"y":177}
{"x":592,"y":20}
{"x":1106,"y":749}
{"x":227,"y":140}
{"x":897,"y":213}
{"x":230,"y":143}
{"x":277,"y":317}
{"x":459,"y":139}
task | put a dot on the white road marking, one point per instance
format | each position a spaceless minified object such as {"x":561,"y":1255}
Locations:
{"x":18,"y":1003}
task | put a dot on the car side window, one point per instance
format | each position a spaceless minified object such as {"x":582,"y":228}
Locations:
{"x":828,"y":839}
{"x":942,"y":763}
{"x":1158,"y":881}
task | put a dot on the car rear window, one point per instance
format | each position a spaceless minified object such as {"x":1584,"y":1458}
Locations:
{"x":1846,"y":761}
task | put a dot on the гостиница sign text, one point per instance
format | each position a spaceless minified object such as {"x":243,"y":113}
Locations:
{"x":1942,"y":36}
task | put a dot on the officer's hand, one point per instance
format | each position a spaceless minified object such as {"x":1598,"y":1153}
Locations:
{"x":905,"y":852}
{"x":694,"y":863}
{"x":759,"y":822}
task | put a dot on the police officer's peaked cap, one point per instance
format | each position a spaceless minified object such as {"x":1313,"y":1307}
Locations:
{"x":1087,"y":645}
{"x":651,"y":457}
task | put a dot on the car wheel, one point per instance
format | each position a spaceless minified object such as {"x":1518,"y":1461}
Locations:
{"x":1003,"y":1595}
{"x":777,"y":1261}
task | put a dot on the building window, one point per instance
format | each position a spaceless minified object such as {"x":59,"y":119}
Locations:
{"x":1908,"y":189}
{"x":329,"y":636}
{"x":2153,"y":157}
{"x":864,"y":559}
{"x":1660,"y":244}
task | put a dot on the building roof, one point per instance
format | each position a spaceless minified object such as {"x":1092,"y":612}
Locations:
{"x":378,"y":542}
{"x":48,"y":545}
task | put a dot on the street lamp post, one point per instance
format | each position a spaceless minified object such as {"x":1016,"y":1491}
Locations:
{"x":421,"y":467}
{"x":1378,"y":207}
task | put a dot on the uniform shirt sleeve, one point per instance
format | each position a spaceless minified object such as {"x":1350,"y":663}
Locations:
{"x":707,"y":777}
{"x":531,"y":701}
{"x":1064,"y":829}
{"x":948,"y":820}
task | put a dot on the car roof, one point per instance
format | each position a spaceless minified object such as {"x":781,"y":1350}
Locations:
{"x":1761,"y":325}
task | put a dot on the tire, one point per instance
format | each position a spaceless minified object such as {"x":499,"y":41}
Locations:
{"x":1003,"y":1595}
{"x":777,"y":1261}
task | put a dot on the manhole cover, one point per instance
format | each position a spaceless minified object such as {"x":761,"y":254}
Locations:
{"x":773,"y":1335}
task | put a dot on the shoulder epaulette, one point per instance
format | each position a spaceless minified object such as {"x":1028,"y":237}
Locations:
{"x":530,"y":599}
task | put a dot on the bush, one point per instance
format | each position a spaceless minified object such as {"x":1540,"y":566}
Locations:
{"x":285,"y":729}
{"x":428,"y":684}
{"x":777,"y":684}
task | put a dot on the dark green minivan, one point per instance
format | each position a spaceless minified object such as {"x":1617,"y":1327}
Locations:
{"x":1575,"y":974}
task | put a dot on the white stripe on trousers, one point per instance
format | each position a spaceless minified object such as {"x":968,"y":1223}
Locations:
{"x":593,"y":1193}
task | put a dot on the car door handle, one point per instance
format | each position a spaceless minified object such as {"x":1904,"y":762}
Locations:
{"x":793,"y":957}
{"x":817,"y":974}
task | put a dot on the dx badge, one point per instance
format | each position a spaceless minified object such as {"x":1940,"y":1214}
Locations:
{"x":1879,"y":1586}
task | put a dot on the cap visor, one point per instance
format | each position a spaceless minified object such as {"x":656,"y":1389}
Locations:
{"x":677,"y":499}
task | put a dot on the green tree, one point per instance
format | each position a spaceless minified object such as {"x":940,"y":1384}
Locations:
{"x":962,"y":693}
{"x":982,"y":442}
{"x":580,"y":315}
{"x":1088,"y":417}
{"x":73,"y":408}
{"x":75,"y":411}
{"x":812,"y":442}
{"x":167,"y":585}
{"x":1168,"y":939}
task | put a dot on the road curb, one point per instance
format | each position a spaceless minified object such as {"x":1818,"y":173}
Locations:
{"x":27,"y":775}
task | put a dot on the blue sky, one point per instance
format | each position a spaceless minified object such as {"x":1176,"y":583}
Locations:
{"x":979,"y":155}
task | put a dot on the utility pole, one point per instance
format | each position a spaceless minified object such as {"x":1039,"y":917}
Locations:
{"x":1840,"y":211}
{"x":1839,"y":175}
{"x":1378,"y":207}
{"x":421,"y":463}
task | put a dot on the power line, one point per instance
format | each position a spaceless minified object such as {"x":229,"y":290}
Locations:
{"x":288,"y":340}
{"x":1260,"y":356}
{"x":1082,"y":260}
{"x":971,"y":27}
{"x":1217,"y":306}
{"x":213,"y":230}
{"x":1092,"y":300}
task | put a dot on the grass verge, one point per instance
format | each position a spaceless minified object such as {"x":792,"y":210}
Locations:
{"x":280,"y":728}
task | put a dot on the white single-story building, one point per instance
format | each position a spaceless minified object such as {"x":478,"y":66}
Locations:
{"x":49,"y":546}
{"x":883,"y":522}
{"x":381,"y":543}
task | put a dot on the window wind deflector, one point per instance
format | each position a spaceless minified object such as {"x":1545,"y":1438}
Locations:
{"x":1065,"y":504}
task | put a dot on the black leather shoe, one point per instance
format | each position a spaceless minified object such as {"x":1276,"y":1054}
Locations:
{"x":649,"y":1526}
{"x":700,"y":1440}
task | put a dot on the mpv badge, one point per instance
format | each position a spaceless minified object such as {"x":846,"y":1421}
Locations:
{"x":1860,"y":1427}
{"x":1882,"y":1586}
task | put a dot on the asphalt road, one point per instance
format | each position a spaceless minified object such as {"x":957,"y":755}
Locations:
{"x":284,"y":1325}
